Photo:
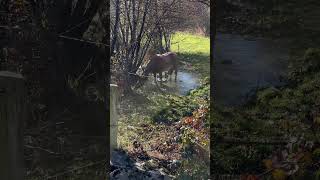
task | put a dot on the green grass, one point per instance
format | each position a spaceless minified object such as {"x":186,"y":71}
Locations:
{"x":186,"y":43}
{"x":193,"y":49}
{"x":148,"y":114}
{"x":157,"y":107}
{"x":273,"y":114}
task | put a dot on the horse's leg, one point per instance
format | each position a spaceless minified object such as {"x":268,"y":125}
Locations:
{"x":160,"y":74}
{"x":166,"y":75}
{"x":176,"y":74}
{"x":155,"y":77}
{"x":170,"y":74}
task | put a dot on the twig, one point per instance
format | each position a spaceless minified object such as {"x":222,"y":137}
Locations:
{"x":82,"y":40}
{"x":40,"y":148}
{"x":179,"y":41}
{"x":138,"y":75}
{"x":266,"y":172}
{"x":49,"y":124}
{"x":206,"y":150}
{"x":89,"y":75}
{"x":70,"y":29}
{"x":87,"y":67}
{"x":228,"y":140}
{"x":270,"y":170}
{"x":93,"y":137}
{"x":75,"y":169}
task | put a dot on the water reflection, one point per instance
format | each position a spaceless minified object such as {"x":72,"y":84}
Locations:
{"x":242,"y":64}
{"x":186,"y":81}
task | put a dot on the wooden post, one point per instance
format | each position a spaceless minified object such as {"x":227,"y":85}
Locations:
{"x":12,"y":114}
{"x":113,"y":116}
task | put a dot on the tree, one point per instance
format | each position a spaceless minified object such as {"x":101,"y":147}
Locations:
{"x":138,"y":25}
{"x":205,"y":2}
{"x":129,"y":34}
{"x":62,"y":26}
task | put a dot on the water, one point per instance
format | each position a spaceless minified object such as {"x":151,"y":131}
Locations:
{"x":186,"y":81}
{"x":242,"y":64}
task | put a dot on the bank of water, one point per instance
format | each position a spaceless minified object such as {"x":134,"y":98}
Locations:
{"x":243,"y":64}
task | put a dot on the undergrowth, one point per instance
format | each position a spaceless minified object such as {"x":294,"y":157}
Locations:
{"x":289,"y":114}
{"x":173,"y":127}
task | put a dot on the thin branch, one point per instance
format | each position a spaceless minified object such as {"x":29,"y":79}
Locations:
{"x":75,"y":169}
{"x":82,"y":40}
{"x":40,"y":148}
{"x":230,"y":140}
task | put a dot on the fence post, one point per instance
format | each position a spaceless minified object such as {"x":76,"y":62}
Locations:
{"x":113,"y":116}
{"x":12,"y":114}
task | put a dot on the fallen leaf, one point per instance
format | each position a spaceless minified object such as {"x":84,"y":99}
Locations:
{"x":279,"y":174}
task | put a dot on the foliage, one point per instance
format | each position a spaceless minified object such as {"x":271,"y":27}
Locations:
{"x":142,"y":28}
{"x":168,"y":123}
{"x":193,"y":168}
{"x":288,"y":112}
{"x":39,"y":52}
{"x":280,"y":127}
{"x":181,"y":106}
{"x":273,"y":18}
{"x":195,"y":140}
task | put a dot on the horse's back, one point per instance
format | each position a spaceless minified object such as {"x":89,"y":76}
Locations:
{"x":163,"y":62}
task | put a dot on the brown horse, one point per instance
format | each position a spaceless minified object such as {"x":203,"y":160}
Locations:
{"x":160,"y":63}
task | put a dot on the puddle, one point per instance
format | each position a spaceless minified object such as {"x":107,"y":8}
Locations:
{"x":186,"y":81}
{"x":242,"y":64}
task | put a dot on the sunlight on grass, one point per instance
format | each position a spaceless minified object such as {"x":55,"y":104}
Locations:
{"x":187,"y":43}
{"x":161,"y":121}
{"x":193,"y":49}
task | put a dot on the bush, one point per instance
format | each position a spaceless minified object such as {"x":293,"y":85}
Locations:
{"x":266,"y":95}
{"x":311,"y":59}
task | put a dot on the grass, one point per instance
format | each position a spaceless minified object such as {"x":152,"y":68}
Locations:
{"x":274,"y":114}
{"x":187,"y":43}
{"x":149,"y":115}
{"x":193,"y":49}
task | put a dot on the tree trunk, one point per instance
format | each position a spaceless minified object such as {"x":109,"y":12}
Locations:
{"x":167,"y":40}
{"x":12,"y":114}
{"x":116,"y":27}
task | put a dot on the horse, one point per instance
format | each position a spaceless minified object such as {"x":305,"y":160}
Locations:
{"x":160,"y":63}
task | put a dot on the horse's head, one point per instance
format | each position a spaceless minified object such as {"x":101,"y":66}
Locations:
{"x":141,"y":76}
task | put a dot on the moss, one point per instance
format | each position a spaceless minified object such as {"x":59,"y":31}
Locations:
{"x":277,"y":113}
{"x":316,"y":154}
{"x":178,"y":107}
{"x":288,"y":109}
{"x":317,"y":175}
{"x":266,"y":95}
